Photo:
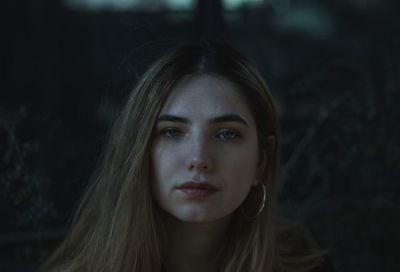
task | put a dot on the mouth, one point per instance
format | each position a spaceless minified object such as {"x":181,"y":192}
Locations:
{"x":197,"y":189}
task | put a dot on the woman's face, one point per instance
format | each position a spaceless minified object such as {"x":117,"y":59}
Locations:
{"x":205,"y":154}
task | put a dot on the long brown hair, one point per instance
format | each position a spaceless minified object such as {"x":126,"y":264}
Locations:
{"x":117,"y":226}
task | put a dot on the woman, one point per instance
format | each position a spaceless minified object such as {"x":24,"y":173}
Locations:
{"x":189,"y":180}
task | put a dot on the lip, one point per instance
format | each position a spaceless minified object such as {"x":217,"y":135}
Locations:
{"x":195,"y":189}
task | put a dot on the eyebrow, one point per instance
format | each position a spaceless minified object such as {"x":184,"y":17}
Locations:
{"x":230,"y":117}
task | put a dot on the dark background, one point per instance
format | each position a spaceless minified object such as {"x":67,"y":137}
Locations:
{"x":333,"y":67}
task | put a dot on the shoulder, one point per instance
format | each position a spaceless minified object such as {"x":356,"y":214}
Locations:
{"x":297,"y":250}
{"x":293,"y":238}
{"x":323,"y":266}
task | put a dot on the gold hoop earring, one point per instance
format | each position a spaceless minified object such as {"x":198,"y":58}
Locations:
{"x":264,"y":197}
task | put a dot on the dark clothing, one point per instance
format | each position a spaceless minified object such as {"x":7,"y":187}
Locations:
{"x":324,"y":266}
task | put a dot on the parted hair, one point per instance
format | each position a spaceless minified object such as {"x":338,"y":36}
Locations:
{"x":117,"y":226}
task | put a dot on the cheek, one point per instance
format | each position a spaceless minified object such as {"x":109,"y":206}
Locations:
{"x":165,"y":159}
{"x":240,"y":165}
{"x":160,"y":164}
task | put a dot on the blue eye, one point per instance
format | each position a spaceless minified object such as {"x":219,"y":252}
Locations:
{"x":171,"y":132}
{"x":228,"y":135}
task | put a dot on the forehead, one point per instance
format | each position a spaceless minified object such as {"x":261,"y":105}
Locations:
{"x":207,"y":96}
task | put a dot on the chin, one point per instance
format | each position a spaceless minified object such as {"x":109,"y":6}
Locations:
{"x":196,"y":219}
{"x":190,"y":213}
{"x":199,"y":217}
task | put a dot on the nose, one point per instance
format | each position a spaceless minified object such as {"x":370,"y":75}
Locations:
{"x":200,"y":158}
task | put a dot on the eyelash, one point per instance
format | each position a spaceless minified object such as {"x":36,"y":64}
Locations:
{"x":167,"y":131}
{"x":234,"y":134}
{"x":231,"y":132}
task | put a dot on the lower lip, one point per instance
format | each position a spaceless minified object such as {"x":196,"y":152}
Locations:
{"x":197,"y":193}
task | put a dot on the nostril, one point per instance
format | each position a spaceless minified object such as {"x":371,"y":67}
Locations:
{"x":197,"y":166}
{"x":200,"y":164}
{"x":204,"y":167}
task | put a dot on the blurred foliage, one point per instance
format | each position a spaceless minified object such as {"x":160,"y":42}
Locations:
{"x":25,"y":205}
{"x":24,"y":195}
{"x":342,"y":156}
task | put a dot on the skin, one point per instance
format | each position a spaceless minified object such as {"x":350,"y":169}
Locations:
{"x":192,"y":145}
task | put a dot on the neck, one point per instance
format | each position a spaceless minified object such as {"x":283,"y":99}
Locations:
{"x":194,"y":246}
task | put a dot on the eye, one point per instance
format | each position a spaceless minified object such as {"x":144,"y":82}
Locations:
{"x":227,"y":135}
{"x":171,"y":132}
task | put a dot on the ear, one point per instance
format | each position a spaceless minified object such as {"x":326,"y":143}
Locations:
{"x":263,"y":160}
